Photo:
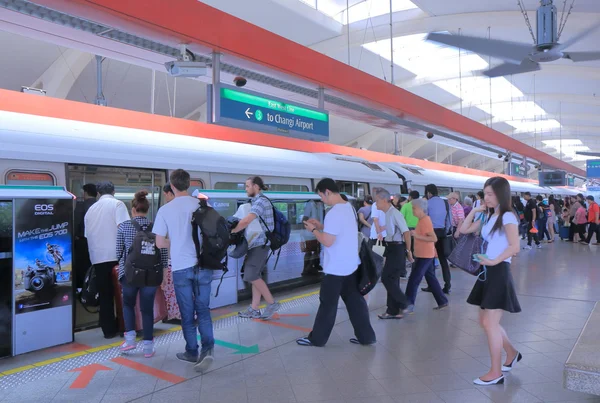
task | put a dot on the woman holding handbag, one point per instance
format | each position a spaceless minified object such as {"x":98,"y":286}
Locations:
{"x":494,"y":291}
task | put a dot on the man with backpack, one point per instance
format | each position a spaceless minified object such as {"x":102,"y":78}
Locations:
{"x":192,"y":281}
{"x":258,"y":249}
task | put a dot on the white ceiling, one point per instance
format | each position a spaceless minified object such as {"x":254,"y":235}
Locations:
{"x":566,"y":92}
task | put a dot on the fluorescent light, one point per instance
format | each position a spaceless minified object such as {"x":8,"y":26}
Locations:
{"x":532,"y":126}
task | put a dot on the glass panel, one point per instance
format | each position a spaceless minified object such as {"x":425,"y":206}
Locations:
{"x":302,"y":253}
{"x":444,"y":191}
{"x":6,"y":277}
{"x":230,"y":186}
{"x":274,"y":187}
{"x":29,"y":178}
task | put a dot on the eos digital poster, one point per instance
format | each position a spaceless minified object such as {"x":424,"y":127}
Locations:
{"x":42,"y":254}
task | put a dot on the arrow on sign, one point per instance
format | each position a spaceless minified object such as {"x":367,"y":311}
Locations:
{"x":248,"y":113}
{"x":86,"y":375}
{"x":239,"y":348}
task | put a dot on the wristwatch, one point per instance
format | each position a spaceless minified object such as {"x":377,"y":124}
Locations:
{"x":313,"y":230}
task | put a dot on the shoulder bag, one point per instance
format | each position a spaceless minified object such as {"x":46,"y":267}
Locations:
{"x":467,"y":246}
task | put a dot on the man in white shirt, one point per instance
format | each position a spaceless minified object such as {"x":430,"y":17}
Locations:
{"x":397,"y":249}
{"x":378,"y":232}
{"x":192,"y":283}
{"x":339,"y":237}
{"x":101,"y":222}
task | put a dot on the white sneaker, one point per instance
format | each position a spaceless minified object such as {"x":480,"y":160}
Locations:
{"x":539,"y":246}
{"x":527,"y":247}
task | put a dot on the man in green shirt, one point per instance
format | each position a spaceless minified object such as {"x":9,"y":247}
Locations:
{"x":407,"y":210}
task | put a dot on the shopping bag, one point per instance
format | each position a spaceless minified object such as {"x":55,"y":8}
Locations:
{"x":462,"y":255}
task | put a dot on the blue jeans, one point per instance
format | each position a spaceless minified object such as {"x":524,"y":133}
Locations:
{"x":192,"y":290}
{"x":424,"y":267}
{"x":147,"y":295}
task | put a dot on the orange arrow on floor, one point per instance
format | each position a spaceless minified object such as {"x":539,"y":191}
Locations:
{"x":86,"y":375}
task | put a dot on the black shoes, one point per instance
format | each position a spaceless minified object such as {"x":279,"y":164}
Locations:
{"x":446,"y":290}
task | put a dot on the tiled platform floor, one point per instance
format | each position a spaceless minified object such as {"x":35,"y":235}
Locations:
{"x":427,"y":357}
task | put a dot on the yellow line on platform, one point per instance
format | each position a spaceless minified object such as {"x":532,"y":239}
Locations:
{"x":111,"y":345}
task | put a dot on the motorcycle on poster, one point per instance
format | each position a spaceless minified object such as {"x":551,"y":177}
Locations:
{"x":43,"y":254}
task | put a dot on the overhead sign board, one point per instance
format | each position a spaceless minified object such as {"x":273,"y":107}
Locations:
{"x":518,"y":170}
{"x":553,"y":178}
{"x":571,"y":182}
{"x":255,"y":111}
{"x":593,"y":169}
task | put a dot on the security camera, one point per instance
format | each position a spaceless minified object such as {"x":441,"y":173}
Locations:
{"x":429,"y":135}
{"x":240,"y":81}
{"x":178,"y":68}
{"x":506,"y":159}
{"x":499,"y":155}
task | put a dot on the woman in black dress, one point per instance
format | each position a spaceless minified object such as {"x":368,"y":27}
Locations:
{"x":494,"y":291}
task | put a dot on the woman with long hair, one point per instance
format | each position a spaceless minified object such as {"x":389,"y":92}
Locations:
{"x":494,"y":291}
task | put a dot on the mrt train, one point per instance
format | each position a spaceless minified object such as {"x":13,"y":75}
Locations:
{"x":36,"y":150}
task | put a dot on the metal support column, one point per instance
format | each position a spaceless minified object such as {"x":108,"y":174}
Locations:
{"x":209,"y":105}
{"x":321,"y":98}
{"x":391,"y":47}
{"x":153,"y":92}
{"x":100,"y":100}
{"x":216,"y":86}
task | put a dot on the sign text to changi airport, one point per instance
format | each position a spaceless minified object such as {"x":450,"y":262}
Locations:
{"x":593,"y":169}
{"x":273,"y":116}
{"x":518,"y":170}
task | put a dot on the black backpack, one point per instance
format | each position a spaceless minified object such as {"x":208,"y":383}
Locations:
{"x":143,"y":265}
{"x":89,"y":293}
{"x":281,"y":231}
{"x":215,"y":239}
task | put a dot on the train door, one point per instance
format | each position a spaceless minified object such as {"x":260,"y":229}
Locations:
{"x":127,"y":181}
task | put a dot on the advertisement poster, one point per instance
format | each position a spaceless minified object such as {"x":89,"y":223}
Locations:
{"x":43,"y":254}
{"x":6,"y":232}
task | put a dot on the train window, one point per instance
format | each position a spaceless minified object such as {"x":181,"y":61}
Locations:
{"x":30,"y":178}
{"x":444,"y":191}
{"x":230,"y":186}
{"x":355,"y":189}
{"x":273,"y":187}
{"x":413,"y":169}
{"x":196,"y":184}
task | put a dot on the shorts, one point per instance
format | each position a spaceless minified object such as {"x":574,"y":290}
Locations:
{"x":254,"y":263}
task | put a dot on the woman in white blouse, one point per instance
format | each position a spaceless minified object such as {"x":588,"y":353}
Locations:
{"x":494,"y":291}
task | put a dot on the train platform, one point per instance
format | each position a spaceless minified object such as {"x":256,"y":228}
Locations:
{"x":426,"y":357}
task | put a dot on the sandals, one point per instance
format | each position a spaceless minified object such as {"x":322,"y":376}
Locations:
{"x":304,"y":341}
{"x":388,"y":316}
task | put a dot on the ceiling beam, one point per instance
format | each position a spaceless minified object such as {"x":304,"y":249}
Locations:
{"x":409,"y":149}
{"x":59,"y":78}
{"x":368,"y":139}
{"x":443,"y":154}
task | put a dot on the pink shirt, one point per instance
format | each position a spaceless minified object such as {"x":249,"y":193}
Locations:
{"x":458,"y":214}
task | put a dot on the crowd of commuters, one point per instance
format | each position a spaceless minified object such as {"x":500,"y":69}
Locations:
{"x":415,"y":230}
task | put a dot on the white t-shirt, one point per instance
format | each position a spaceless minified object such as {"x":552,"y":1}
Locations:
{"x":498,"y":241}
{"x":174,"y":220}
{"x":380,"y":215}
{"x":101,"y":223}
{"x":341,"y":258}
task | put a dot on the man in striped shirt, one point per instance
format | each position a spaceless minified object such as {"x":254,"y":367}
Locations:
{"x":457,"y":213}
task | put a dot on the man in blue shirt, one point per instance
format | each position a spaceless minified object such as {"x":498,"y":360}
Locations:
{"x":439,"y":212}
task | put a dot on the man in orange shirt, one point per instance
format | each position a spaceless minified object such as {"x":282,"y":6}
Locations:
{"x":425,"y":239}
{"x":593,"y":221}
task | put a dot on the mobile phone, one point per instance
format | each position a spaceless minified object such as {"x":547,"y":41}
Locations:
{"x":477,"y":257}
